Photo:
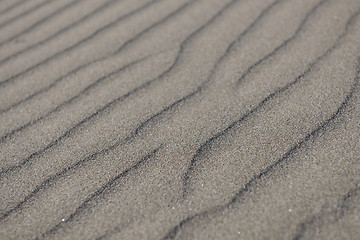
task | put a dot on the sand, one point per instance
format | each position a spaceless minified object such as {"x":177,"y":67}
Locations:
{"x":180,"y":119}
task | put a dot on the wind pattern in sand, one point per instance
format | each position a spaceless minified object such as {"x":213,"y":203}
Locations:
{"x":179,"y":119}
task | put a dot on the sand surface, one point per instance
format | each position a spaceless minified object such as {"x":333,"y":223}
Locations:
{"x":179,"y":119}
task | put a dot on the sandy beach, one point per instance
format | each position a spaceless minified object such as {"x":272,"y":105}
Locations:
{"x":180,"y":119}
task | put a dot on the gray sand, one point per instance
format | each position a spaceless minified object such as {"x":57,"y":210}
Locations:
{"x":180,"y":119}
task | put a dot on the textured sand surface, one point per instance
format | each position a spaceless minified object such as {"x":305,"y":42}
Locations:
{"x":179,"y":119}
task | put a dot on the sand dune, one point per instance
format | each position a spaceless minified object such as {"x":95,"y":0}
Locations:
{"x":180,"y":119}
